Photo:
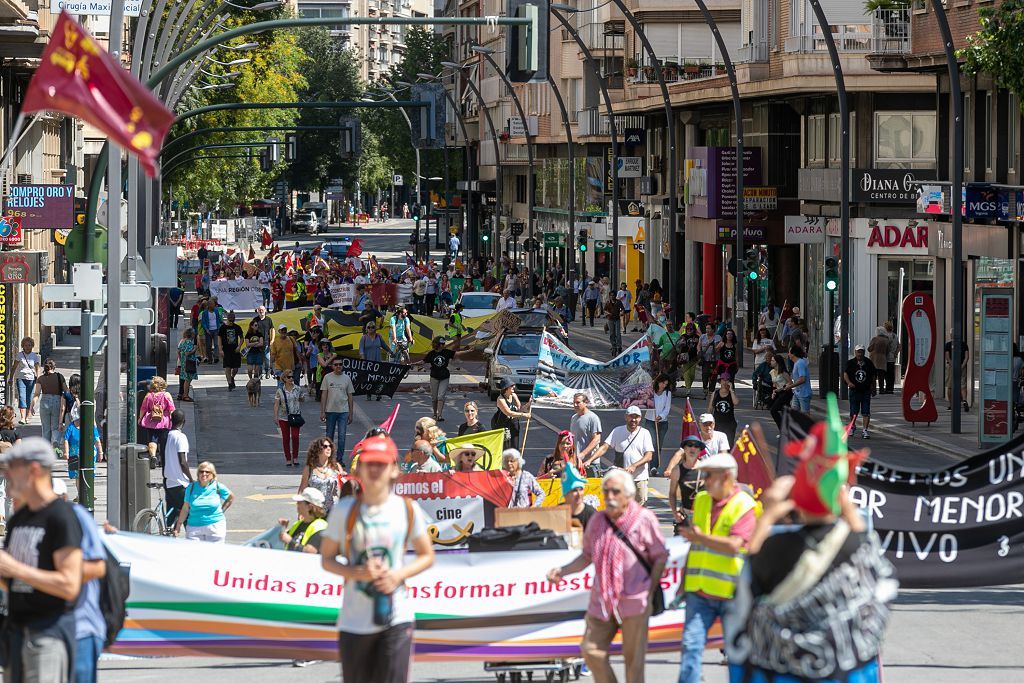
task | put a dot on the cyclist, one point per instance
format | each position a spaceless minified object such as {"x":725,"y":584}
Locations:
{"x":401,"y":335}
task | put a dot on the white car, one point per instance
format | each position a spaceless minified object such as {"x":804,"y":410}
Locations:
{"x":478,"y":303}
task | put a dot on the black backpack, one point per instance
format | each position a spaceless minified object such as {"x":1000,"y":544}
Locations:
{"x":522,"y":537}
{"x":114,"y":587}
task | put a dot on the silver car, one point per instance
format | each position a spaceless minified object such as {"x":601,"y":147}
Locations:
{"x":514,"y":355}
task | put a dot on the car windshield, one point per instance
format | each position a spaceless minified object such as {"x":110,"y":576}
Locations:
{"x":479,"y":301}
{"x":528,"y":345}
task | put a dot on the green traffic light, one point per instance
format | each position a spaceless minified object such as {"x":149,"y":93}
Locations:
{"x":831,"y":285}
{"x":753,"y":275}
{"x":583,"y":247}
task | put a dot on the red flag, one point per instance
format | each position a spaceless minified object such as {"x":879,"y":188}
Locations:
{"x":79,"y":78}
{"x":252,"y":253}
{"x":287,"y":261}
{"x":388,"y":423}
{"x":356,"y":248}
{"x":752,"y":468}
{"x":690,"y":426}
{"x":849,"y":427}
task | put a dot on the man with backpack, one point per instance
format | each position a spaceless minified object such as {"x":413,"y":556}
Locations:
{"x":42,"y":565}
{"x":372,"y":533}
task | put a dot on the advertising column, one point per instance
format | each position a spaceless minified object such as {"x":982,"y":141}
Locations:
{"x":996,"y":362}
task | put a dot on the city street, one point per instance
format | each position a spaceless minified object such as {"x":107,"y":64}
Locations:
{"x":935,"y":636}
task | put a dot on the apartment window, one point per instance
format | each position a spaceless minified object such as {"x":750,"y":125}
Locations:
{"x":835,"y":136}
{"x":1012,"y":130}
{"x":521,"y":189}
{"x":905,"y":139}
{"x":815,"y":140}
{"x":968,"y":131}
{"x":990,"y":162}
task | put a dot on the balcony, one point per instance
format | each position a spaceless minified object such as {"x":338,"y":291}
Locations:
{"x":640,"y":73}
{"x":890,"y":39}
{"x":593,"y":122}
{"x":755,"y":53}
{"x":850,"y":38}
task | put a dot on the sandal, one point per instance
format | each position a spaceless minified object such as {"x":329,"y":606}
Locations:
{"x":188,"y":399}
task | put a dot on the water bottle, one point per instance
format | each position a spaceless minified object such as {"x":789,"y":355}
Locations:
{"x":383,"y":608}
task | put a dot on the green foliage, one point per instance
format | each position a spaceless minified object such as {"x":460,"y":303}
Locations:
{"x":997,"y":49}
{"x":872,"y":5}
{"x":332,"y":75}
{"x":274,"y":74}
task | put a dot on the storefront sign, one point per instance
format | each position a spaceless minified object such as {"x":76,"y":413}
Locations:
{"x":132,"y":8}
{"x":41,"y":207}
{"x":980,"y":201}
{"x":752,"y":234}
{"x":24,"y":267}
{"x":900,"y":236}
{"x":629,"y":167}
{"x":604,"y":246}
{"x":760,"y":198}
{"x":6,"y":339}
{"x":810,"y":229}
{"x":711,"y":179}
{"x":887,"y":185}
{"x":631,"y":207}
{"x":996,"y":356}
{"x":554,"y":240}
{"x":633,"y":136}
{"x":10,"y":230}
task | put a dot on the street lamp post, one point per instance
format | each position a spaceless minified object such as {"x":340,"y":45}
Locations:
{"x":498,"y":174}
{"x":531,"y":188}
{"x":570,"y":244}
{"x":613,"y":129}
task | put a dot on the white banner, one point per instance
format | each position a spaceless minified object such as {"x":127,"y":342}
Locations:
{"x":452,"y":520}
{"x":237,"y":295}
{"x":190,"y":598}
{"x":343,"y":295}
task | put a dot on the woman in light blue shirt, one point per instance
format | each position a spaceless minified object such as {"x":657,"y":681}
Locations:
{"x":206,"y":501}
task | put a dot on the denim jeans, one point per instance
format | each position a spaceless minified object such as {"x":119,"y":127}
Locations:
{"x":701,"y":613}
{"x":662,"y":435}
{"x":802,"y":403}
{"x":337,"y":422}
{"x":25,"y":389}
{"x":86,"y":655}
{"x":49,"y":417}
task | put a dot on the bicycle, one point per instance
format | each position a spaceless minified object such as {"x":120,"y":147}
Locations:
{"x":153,"y":520}
{"x":401,"y":354}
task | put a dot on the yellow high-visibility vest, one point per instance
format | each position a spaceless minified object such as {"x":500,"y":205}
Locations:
{"x":307,"y":533}
{"x":709,"y":571}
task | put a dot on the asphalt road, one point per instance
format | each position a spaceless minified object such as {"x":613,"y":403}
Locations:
{"x":934,"y":636}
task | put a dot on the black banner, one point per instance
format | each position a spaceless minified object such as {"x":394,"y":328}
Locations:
{"x":954,"y":528}
{"x":373,"y":377}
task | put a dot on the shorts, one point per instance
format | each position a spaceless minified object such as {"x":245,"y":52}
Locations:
{"x":210,"y":533}
{"x":949,"y":377}
{"x":438,"y":388}
{"x":860,"y":403}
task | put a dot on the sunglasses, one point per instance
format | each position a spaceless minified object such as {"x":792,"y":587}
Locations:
{"x":206,"y":472}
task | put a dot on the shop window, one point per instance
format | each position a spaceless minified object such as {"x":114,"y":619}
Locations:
{"x":905,"y":139}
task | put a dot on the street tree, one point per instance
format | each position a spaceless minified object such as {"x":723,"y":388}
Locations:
{"x":996,"y":48}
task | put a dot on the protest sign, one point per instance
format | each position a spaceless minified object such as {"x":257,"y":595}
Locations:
{"x":490,"y":443}
{"x":959,"y":527}
{"x":237,"y":295}
{"x":592,"y":495}
{"x":231,"y":601}
{"x":343,"y":294}
{"x":620,"y":382}
{"x":374,"y":377}
{"x":451,"y":521}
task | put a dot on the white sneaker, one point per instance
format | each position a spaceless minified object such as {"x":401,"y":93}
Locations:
{"x":864,"y":434}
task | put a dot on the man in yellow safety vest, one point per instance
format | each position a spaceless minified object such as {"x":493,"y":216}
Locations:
{"x":723,"y":521}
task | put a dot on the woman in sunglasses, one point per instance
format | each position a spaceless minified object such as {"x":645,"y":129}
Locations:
{"x":472,"y":425}
{"x":206,"y":501}
{"x":321,"y":471}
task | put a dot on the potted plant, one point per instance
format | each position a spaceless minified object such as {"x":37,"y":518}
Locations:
{"x":504,"y":135}
{"x":671,"y":71}
{"x":691,"y":68}
{"x":650,"y":73}
{"x":631,"y":66}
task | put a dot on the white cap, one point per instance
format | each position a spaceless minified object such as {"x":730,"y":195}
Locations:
{"x":706,"y":417}
{"x":282,"y":326}
{"x":633,"y":410}
{"x":310,"y":495}
{"x":858,"y":347}
{"x":718,"y":461}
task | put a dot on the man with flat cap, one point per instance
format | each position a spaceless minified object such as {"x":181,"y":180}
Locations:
{"x":42,"y":566}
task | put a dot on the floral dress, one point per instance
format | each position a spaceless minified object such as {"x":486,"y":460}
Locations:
{"x":187,"y":352}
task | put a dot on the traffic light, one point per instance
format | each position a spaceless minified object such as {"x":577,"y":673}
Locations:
{"x":351,"y":137}
{"x":831,"y":274}
{"x":582,"y":240}
{"x":416,"y":212}
{"x":751,"y":265}
{"x":526,"y":47}
{"x":485,"y":237}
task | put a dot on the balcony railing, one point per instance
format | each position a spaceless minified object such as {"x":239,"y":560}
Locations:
{"x":594,"y":122}
{"x":672,"y":71}
{"x":855,"y":38}
{"x":890,"y":32}
{"x":753,"y":53}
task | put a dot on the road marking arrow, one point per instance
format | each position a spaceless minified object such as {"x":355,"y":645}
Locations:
{"x":261,"y":497}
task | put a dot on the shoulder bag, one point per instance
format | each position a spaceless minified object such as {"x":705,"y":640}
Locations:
{"x":658,"y":595}
{"x":294,"y":420}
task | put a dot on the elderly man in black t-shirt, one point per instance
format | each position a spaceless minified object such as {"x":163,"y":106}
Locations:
{"x":41,"y":565}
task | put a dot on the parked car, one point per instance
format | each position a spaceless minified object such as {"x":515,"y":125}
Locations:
{"x":513,"y":355}
{"x":478,"y":303}
{"x":305,"y":221}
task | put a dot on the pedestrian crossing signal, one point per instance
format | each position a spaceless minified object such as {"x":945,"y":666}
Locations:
{"x":831,"y":274}
{"x":751,"y":265}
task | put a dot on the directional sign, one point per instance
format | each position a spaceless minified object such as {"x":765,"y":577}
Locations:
{"x":130,"y":294}
{"x":72,"y":317}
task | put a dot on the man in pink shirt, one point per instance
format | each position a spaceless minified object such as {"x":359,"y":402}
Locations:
{"x":623,"y":586}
